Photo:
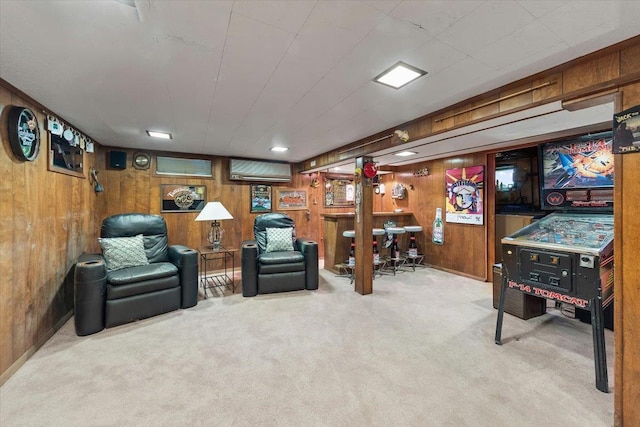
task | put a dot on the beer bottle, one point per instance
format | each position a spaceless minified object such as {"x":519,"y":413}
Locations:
{"x":395,"y":250}
{"x":352,"y":254}
{"x":376,"y":254}
{"x":438,"y":228}
{"x":413,"y":247}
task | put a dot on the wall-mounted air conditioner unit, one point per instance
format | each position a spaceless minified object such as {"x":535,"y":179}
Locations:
{"x":255,"y":170}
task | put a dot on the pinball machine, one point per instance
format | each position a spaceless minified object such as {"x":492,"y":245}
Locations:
{"x":567,"y":256}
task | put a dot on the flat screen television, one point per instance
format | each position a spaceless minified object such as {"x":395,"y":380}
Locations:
{"x":577,"y":174}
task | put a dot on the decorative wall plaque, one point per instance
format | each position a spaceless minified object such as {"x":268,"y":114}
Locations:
{"x":141,"y":161}
{"x":24,"y":133}
{"x":339,"y":192}
{"x":183,"y":198}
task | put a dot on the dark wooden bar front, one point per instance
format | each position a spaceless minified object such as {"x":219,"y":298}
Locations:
{"x":336,"y":247}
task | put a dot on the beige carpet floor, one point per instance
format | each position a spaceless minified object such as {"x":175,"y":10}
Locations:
{"x":419,"y":351}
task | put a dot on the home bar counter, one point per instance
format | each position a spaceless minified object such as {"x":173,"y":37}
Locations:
{"x":336,"y":247}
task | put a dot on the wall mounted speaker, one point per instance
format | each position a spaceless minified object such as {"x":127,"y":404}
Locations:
{"x":117,"y":160}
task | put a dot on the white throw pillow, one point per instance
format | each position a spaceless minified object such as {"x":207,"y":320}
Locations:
{"x":279,"y":239}
{"x":122,"y":252}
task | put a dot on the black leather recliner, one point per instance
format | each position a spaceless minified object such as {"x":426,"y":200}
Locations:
{"x":277,"y":271}
{"x":109,"y":298}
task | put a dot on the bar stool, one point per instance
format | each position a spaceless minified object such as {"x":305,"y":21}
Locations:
{"x":350,"y":265}
{"x":377,"y":260}
{"x":395,"y":258}
{"x":412,"y":253}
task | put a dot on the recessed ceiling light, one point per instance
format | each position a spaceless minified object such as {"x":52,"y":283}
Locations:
{"x":406,"y":153}
{"x":157,"y":134}
{"x":279,"y":149}
{"x":399,"y":75}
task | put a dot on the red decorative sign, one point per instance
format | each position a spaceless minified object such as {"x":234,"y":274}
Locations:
{"x":369,"y":170}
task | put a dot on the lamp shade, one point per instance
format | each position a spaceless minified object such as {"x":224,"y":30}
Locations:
{"x":213,"y":211}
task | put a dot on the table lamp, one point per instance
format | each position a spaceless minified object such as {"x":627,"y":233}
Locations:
{"x":214,"y":211}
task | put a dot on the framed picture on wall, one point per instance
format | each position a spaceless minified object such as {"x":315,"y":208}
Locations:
{"x":260,"y":198}
{"x":291,"y":199}
{"x":183,"y":198}
{"x":464,"y":195}
{"x":339,"y":192}
{"x":66,"y":154}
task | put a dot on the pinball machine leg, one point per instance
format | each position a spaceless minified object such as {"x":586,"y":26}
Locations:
{"x":503,"y":289}
{"x":599,"y":351}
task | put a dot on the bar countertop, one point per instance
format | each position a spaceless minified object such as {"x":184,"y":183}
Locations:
{"x":375,"y":214}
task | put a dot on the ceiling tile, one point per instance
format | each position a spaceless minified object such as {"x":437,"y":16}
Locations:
{"x":549,"y":58}
{"x":578,"y":22}
{"x":459,"y":74}
{"x":286,"y":15}
{"x":434,"y":17}
{"x":539,"y":8}
{"x":434,"y":56}
{"x":524,"y":42}
{"x":385,"y":6}
{"x":174,"y":21}
{"x":486,"y":24}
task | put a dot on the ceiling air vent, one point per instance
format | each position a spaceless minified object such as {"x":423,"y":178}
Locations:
{"x":254,"y":170}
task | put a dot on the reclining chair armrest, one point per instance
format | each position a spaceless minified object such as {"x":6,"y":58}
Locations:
{"x":309,"y":249}
{"x":186,"y":259}
{"x":249,"y":268}
{"x":89,"y":294}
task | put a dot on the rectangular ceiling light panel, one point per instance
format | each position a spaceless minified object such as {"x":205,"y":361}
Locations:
{"x":156,"y":134}
{"x":405,"y":153}
{"x":399,"y":75}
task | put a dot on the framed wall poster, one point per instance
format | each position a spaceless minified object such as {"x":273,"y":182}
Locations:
{"x":291,"y":199}
{"x":464,"y":192}
{"x":260,"y":198}
{"x":626,"y":131}
{"x":339,"y":192}
{"x":183,"y":198}
{"x":66,"y":154}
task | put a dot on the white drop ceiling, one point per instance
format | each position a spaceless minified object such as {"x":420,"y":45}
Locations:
{"x":234,"y":78}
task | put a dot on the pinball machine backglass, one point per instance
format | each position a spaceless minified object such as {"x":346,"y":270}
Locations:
{"x":577,"y":174}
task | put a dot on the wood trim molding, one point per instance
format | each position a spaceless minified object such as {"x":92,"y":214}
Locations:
{"x":497,"y":100}
{"x":590,"y":100}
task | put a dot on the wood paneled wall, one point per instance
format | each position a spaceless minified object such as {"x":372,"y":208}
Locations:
{"x":46,"y":221}
{"x":464,"y":250}
{"x":133,"y":190}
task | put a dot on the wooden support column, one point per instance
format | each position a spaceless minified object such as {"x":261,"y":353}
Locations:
{"x":364,"y":230}
{"x":627,"y":276}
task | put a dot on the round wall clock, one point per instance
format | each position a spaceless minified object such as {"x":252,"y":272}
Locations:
{"x":141,"y":161}
{"x":24,"y":133}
